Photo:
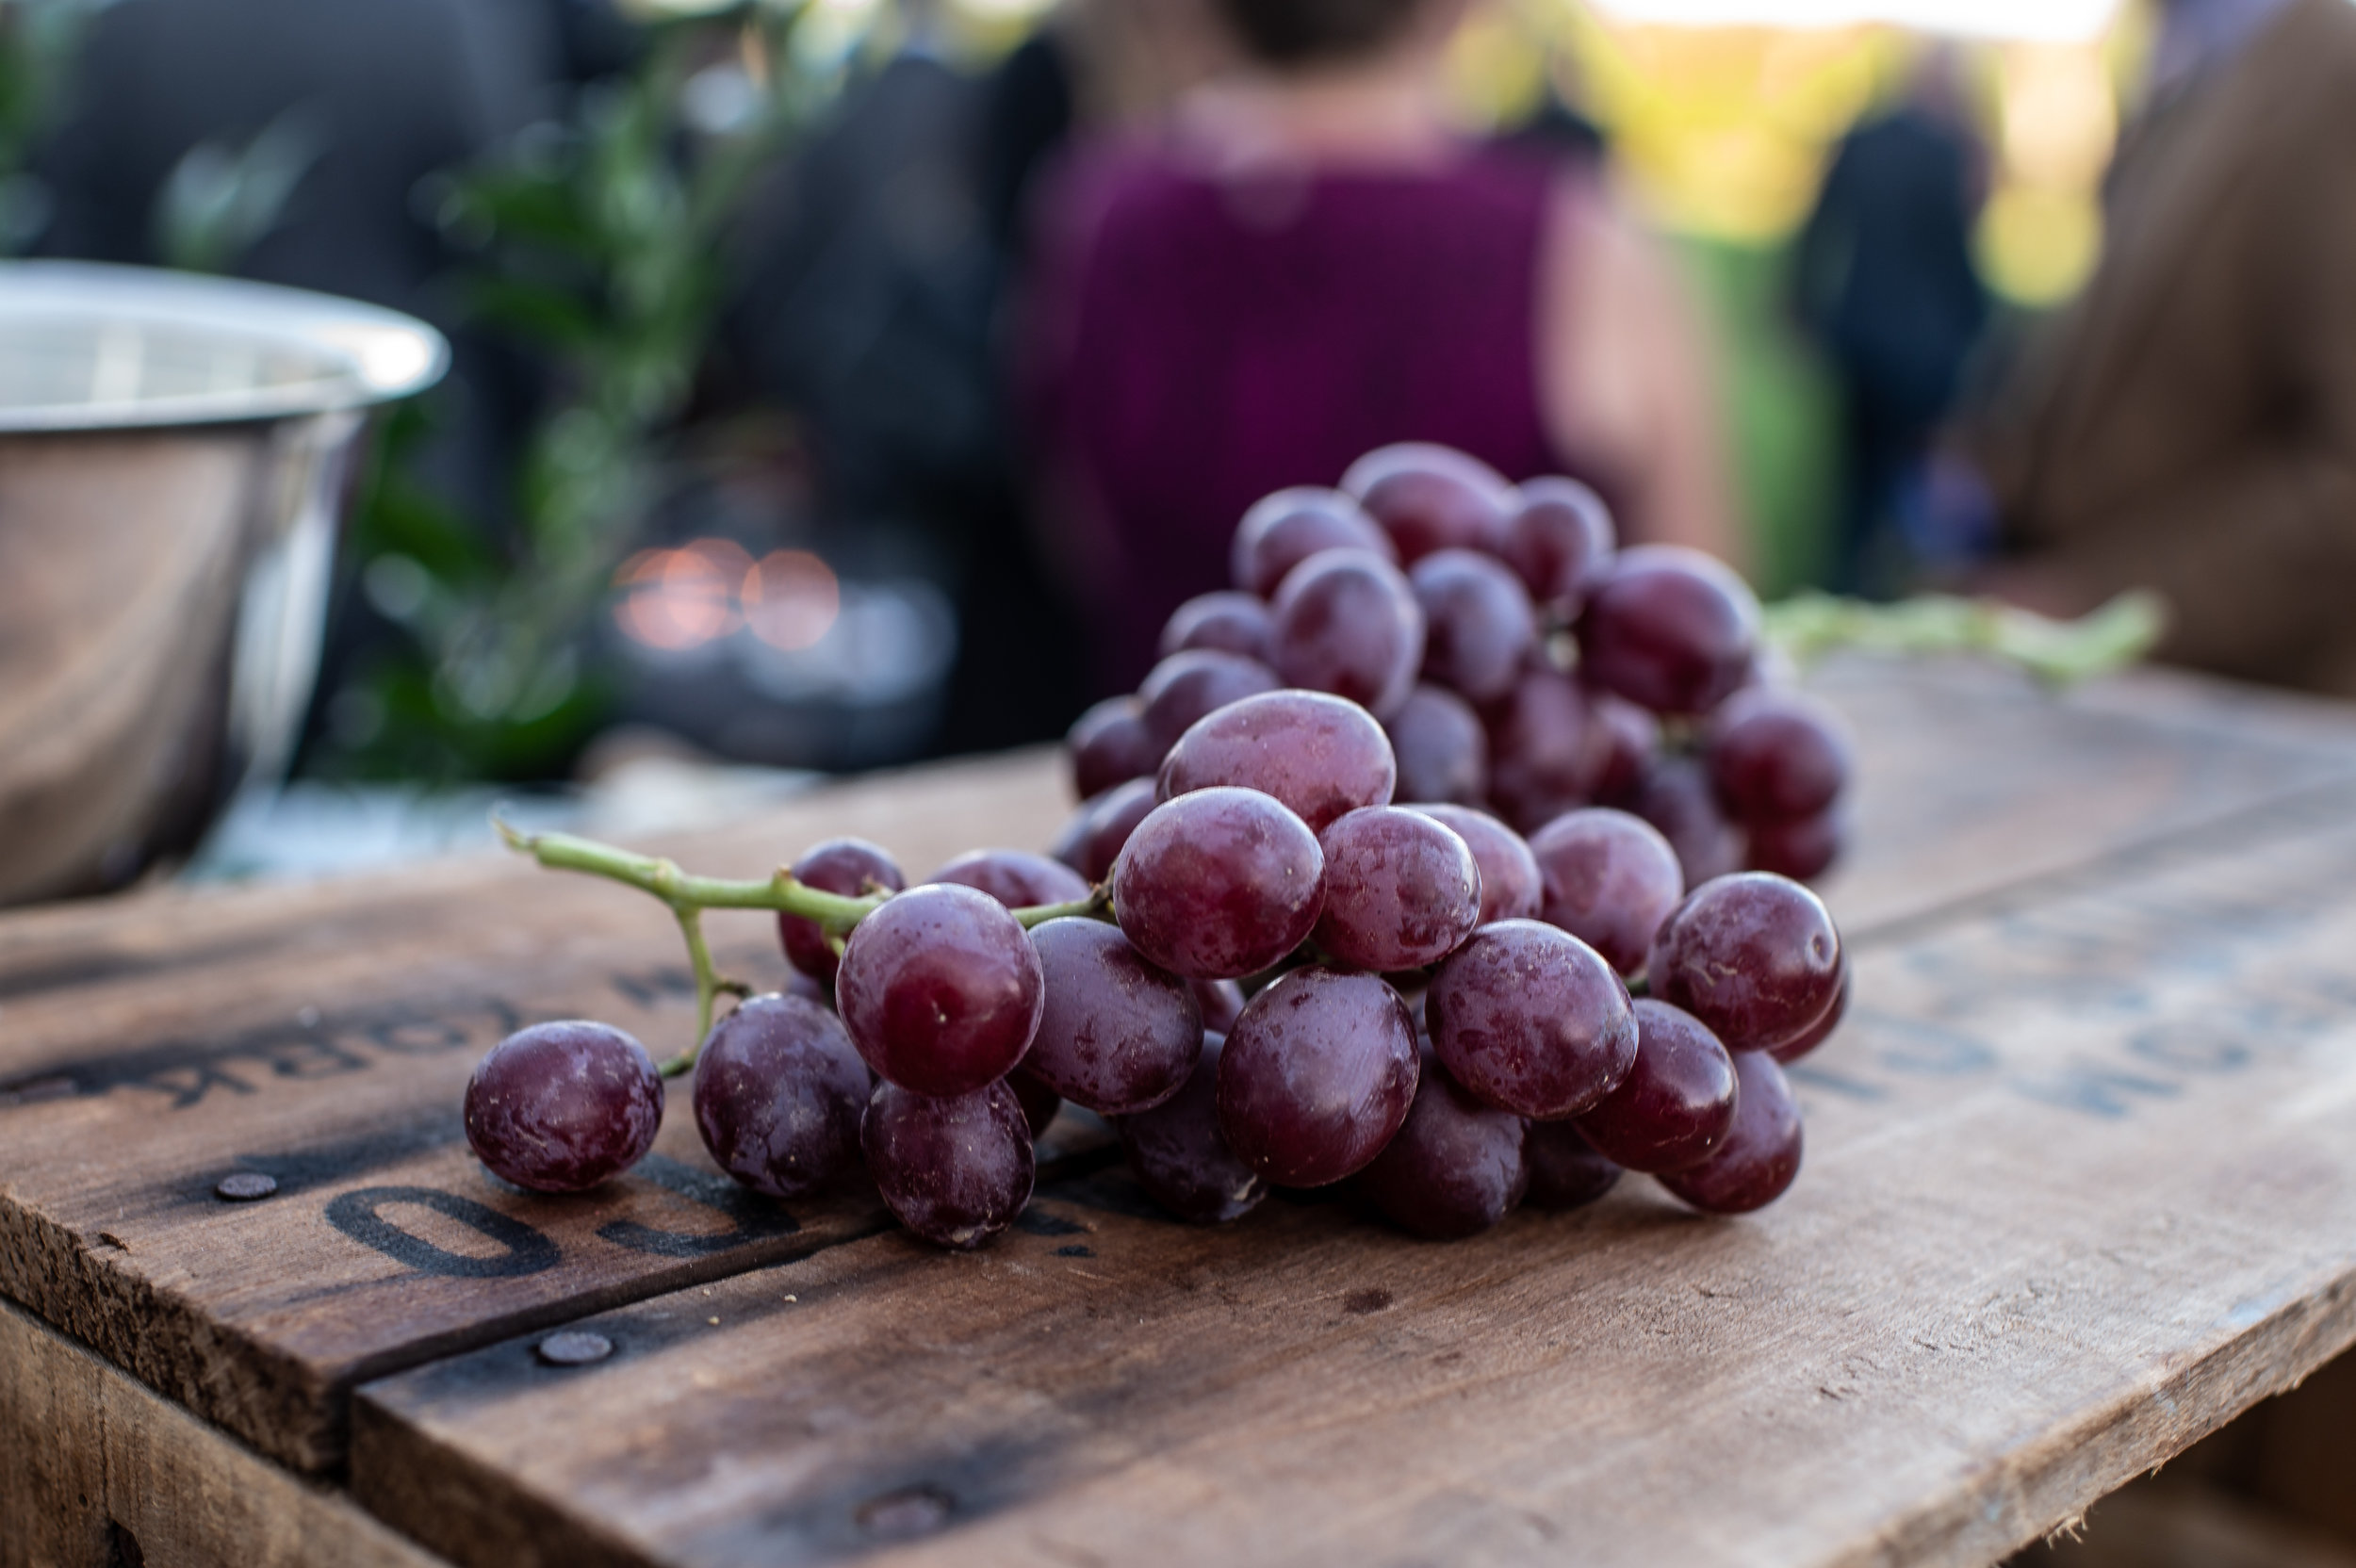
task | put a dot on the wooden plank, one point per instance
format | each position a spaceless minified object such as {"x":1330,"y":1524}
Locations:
{"x":2081,"y":1186}
{"x":97,"y":1471}
{"x":323,"y":1036}
{"x":1973,"y":780}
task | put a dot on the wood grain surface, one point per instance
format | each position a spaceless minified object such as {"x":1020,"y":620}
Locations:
{"x":2079,"y":1187}
{"x":98,"y":1471}
{"x":321,"y":1034}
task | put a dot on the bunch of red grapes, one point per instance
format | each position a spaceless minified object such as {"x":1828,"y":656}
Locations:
{"x":1300,"y":982}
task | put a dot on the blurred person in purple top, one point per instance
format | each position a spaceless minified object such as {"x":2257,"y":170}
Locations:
{"x":1312,"y":261}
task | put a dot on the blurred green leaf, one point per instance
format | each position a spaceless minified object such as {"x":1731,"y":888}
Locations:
{"x":597,"y":249}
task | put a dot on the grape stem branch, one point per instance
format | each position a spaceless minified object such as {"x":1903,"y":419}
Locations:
{"x":688,"y":897}
{"x":2059,"y":653}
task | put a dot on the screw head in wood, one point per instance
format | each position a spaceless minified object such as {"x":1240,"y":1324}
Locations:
{"x":574,"y":1348}
{"x":244,"y":1186}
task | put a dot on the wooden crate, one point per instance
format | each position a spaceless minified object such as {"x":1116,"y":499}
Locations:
{"x":2079,"y":1187}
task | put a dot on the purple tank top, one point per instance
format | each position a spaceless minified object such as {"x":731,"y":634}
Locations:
{"x":1196,"y":344}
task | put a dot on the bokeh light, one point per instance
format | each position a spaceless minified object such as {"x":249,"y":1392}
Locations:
{"x":678,"y":600}
{"x":683,"y":598}
{"x":791,"y":599}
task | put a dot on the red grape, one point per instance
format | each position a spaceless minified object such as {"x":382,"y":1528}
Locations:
{"x":1512,"y":886}
{"x":1565,"y":1172}
{"x":1347,"y":622}
{"x":1186,"y":685}
{"x":1819,"y":1032}
{"x":1559,"y":539}
{"x":1317,"y":1074}
{"x":1401,"y":889}
{"x":1220,"y":883}
{"x":1429,"y":497}
{"x":940,"y":990}
{"x":852,"y":867}
{"x":1531,"y":1020}
{"x":779,"y":1091}
{"x":1319,"y":755}
{"x":1755,"y":956}
{"x":956,"y":1171}
{"x":1676,"y":797}
{"x":1630,"y":736}
{"x":1455,"y":1168}
{"x":1545,"y":750}
{"x":1610,"y":880}
{"x":1015,"y":877}
{"x":1118,"y":1035}
{"x":1776,"y":755}
{"x":1040,"y":1103}
{"x":559,"y":1107}
{"x":1181,"y":1158}
{"x":1477,"y":623}
{"x":1443,"y":751}
{"x":1221,"y":1003}
{"x":1109,"y":746}
{"x":1232,"y":622}
{"x":1670,"y":629}
{"x":1674,"y":1106}
{"x":1093,"y":839}
{"x":1802,"y":848}
{"x":1289,"y":527}
{"x":1762,"y":1153}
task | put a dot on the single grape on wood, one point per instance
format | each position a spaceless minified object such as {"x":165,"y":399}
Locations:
{"x":1531,"y":1020}
{"x":1219,"y":884}
{"x":940,"y":990}
{"x":1118,"y":1035}
{"x":1401,"y":889}
{"x":848,"y":866}
{"x":1317,"y":1074}
{"x":1181,"y":1158}
{"x":779,"y":1093}
{"x":1676,"y":1103}
{"x":560,"y":1107}
{"x":1760,"y":1155}
{"x":1456,"y":1166}
{"x":1755,"y":956}
{"x":954,"y":1169}
{"x":1318,"y":754}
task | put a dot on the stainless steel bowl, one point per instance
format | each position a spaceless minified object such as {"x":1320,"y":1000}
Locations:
{"x":174,"y":456}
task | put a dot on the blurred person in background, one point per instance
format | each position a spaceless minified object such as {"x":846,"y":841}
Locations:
{"x":869,"y":300}
{"x":2189,"y":424}
{"x":1885,"y":284}
{"x":1315,"y":261}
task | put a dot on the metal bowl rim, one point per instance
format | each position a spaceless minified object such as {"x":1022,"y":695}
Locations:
{"x":371,"y":355}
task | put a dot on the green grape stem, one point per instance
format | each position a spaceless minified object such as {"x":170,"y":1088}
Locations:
{"x":688,"y":897}
{"x":2059,"y":653}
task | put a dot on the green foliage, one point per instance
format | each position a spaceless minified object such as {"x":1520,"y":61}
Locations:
{"x":597,"y":249}
{"x":1782,"y":412}
{"x":220,"y":198}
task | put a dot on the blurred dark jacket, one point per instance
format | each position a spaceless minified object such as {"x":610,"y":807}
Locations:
{"x":1885,"y":263}
{"x":1885,"y":284}
{"x":2189,"y":424}
{"x":870,"y":281}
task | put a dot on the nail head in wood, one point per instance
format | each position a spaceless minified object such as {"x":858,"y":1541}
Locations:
{"x":574,"y":1348}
